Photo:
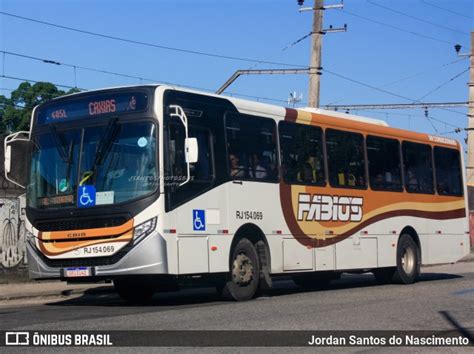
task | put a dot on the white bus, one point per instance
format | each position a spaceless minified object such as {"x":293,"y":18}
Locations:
{"x":151,"y":185}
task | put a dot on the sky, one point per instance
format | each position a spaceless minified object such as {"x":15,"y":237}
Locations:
{"x":394,"y":51}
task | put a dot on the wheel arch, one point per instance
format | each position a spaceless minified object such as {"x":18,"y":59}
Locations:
{"x":409,"y":230}
{"x":255,"y":235}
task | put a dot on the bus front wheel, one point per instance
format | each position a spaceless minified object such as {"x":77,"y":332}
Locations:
{"x":242,"y":281}
{"x":408,"y":261}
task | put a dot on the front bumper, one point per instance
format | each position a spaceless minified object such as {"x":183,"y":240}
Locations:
{"x":147,"y":257}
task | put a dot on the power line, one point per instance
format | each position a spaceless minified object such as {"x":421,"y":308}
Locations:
{"x":447,"y":10}
{"x":423,"y":72}
{"x":242,"y":95}
{"x":204,"y":89}
{"x":35,"y":81}
{"x":417,"y":18}
{"x":49,"y":61}
{"x":414,"y":105}
{"x":455,"y":131}
{"x":442,"y":121}
{"x":443,"y":84}
{"x":83,"y":89}
{"x":398,"y":28}
{"x":407,"y":77}
{"x":355,"y":108}
{"x":288,"y":46}
{"x":296,"y":42}
{"x":381,"y":90}
{"x":147,"y":44}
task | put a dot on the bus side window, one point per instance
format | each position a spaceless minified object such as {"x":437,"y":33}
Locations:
{"x":384,"y":163}
{"x":301,"y":151}
{"x":251,"y":147}
{"x":418,"y":167}
{"x":448,"y":171}
{"x":202,"y":170}
{"x":346,"y":161}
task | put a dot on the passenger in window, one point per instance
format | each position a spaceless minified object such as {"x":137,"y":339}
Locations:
{"x":379,"y":182}
{"x":236,"y":170}
{"x":270,"y":167}
{"x":361,"y":181}
{"x":305,"y":173}
{"x":442,"y":188}
{"x":412,"y":181}
{"x":308,"y":172}
{"x":351,"y":180}
{"x":256,"y":169}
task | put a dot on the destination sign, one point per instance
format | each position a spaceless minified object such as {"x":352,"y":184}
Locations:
{"x":93,"y":106}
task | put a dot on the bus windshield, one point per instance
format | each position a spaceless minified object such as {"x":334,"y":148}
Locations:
{"x":108,"y":164}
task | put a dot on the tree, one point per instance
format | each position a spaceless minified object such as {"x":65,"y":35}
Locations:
{"x":15,"y":112}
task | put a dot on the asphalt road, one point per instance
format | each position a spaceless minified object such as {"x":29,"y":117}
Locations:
{"x":443,"y":299}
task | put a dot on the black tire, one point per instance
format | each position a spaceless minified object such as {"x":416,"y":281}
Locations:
{"x":242,"y":285}
{"x":311,"y":281}
{"x":408,"y":261}
{"x":135,"y":290}
{"x":384,"y":275}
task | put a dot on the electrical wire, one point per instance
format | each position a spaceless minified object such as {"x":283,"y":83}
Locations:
{"x":398,"y":28}
{"x":408,"y":77}
{"x":147,"y":44}
{"x":382,"y":90}
{"x":49,"y":61}
{"x":446,"y":10}
{"x":35,"y":81}
{"x":423,"y":72}
{"x":442,"y":85}
{"x":416,"y":18}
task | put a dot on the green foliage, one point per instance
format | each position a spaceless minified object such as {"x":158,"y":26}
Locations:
{"x":15,"y":112}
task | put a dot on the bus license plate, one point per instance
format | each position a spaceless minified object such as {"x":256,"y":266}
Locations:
{"x":77,"y":272}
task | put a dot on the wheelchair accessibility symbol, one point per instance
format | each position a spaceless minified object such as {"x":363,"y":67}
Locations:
{"x":199,"y":220}
{"x":86,"y":196}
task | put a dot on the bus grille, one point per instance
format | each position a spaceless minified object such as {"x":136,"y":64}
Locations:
{"x":79,"y":223}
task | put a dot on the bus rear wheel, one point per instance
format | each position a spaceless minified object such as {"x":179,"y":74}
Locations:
{"x":408,"y":261}
{"x":242,"y":281}
{"x":135,"y":290}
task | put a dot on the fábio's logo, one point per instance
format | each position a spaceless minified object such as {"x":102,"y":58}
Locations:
{"x":329,"y":208}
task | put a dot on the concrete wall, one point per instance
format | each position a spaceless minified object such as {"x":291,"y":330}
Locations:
{"x":12,"y":225}
{"x":12,"y":234}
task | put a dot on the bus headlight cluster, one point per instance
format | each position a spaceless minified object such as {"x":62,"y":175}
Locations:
{"x":143,"y":230}
{"x":30,"y":238}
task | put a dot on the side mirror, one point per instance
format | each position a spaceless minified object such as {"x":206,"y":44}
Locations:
{"x":8,"y":159}
{"x":17,"y":154}
{"x":192,"y":150}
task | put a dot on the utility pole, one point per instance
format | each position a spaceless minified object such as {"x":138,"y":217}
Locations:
{"x":470,"y":130}
{"x":315,"y":62}
{"x":316,"y":45}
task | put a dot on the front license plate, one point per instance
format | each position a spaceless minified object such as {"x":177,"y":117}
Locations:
{"x":77,"y":272}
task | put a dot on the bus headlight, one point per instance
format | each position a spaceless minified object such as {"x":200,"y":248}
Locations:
{"x":143,"y":230}
{"x":31,"y":239}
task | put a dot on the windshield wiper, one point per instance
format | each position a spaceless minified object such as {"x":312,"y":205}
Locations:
{"x":60,"y":144}
{"x":106,"y":142}
{"x":103,"y":148}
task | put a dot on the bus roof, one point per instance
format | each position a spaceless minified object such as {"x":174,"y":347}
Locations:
{"x":278,"y":112}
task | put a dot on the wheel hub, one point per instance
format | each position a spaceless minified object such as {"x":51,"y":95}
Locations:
{"x":242,"y":270}
{"x":408,"y":260}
